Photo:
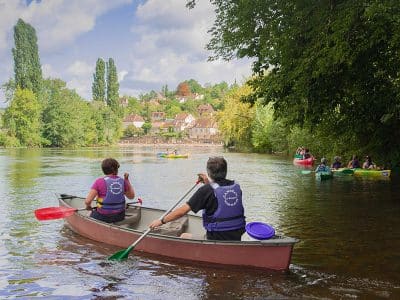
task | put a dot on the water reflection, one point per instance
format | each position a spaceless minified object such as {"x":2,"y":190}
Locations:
{"x":348,"y":230}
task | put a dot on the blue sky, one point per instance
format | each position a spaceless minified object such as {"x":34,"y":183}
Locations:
{"x":153,"y":43}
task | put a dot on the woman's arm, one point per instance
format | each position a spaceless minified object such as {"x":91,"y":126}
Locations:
{"x":130,"y":192}
{"x":89,"y":198}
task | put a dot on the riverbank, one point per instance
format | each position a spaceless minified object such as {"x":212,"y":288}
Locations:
{"x":170,"y":143}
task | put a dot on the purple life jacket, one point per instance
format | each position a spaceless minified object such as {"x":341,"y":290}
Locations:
{"x":229,"y":214}
{"x":115,"y":197}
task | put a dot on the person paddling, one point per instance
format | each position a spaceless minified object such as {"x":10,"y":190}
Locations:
{"x":110,"y":192}
{"x":354,"y":163}
{"x":337,"y":164}
{"x":322,"y":167}
{"x":221,"y":202}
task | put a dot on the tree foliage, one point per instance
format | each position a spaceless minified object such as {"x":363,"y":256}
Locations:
{"x":331,"y":65}
{"x":183,"y":89}
{"x":112,"y":86}
{"x":235,"y":120}
{"x":27,"y":68}
{"x":22,"y":118}
{"x":99,"y":81}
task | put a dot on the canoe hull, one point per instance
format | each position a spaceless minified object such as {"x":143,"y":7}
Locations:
{"x":323,"y":175}
{"x":372,"y":173}
{"x":343,"y":172}
{"x":274,"y":254}
{"x":304,"y":162}
{"x":174,"y":156}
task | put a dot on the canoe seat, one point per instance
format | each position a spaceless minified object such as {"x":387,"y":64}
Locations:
{"x":132,"y":216}
{"x":174,"y":228}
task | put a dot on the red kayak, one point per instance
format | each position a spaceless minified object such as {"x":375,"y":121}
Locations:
{"x":304,"y":162}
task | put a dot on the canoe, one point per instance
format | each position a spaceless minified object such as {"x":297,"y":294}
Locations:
{"x":174,"y":155}
{"x":323,"y":175}
{"x":274,"y":253}
{"x":304,"y":162}
{"x":372,"y":173}
{"x":343,"y":172}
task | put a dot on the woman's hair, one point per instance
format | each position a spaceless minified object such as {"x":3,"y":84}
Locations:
{"x":110,"y":166}
{"x":217,"y":167}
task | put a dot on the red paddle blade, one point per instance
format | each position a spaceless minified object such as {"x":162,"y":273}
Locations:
{"x":52,"y":213}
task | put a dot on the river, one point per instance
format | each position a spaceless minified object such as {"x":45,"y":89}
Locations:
{"x":348,"y":230}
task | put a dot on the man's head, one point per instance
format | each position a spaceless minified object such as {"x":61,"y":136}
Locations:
{"x":110,"y":166}
{"x":217,"y":168}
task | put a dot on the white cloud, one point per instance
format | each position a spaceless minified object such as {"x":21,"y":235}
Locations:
{"x":57,"y":22}
{"x":121,"y":75}
{"x":170,"y":46}
{"x":48,"y":71}
{"x":81,"y":87}
{"x":80,"y":69}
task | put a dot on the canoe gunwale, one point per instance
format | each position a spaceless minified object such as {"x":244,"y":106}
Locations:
{"x":269,"y":242}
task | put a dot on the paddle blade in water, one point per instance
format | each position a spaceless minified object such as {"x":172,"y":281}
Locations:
{"x":52,"y":213}
{"x":120,"y":255}
{"x":305,"y":172}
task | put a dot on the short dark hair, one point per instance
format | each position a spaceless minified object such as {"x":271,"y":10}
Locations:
{"x":217,"y":167}
{"x":110,"y":166}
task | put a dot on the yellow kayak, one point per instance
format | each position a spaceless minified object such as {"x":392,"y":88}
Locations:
{"x":175,"y":155}
{"x":371,"y":173}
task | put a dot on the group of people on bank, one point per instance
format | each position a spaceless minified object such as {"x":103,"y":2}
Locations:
{"x":222,"y":219}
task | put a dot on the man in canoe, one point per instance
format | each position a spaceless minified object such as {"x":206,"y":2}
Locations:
{"x":110,"y":192}
{"x":337,"y":164}
{"x":221,"y":202}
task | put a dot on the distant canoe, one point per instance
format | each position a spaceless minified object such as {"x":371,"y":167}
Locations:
{"x":343,"y":172}
{"x":304,"y":162}
{"x":372,"y":173}
{"x":274,"y":253}
{"x":323,"y":175}
{"x":174,"y":155}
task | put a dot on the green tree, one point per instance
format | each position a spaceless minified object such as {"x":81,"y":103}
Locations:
{"x":99,"y":81}
{"x":27,"y":68}
{"x":195,"y":87}
{"x":22,"y":118}
{"x":112,"y":86}
{"x":328,"y":63}
{"x":146,"y":127}
{"x":235,"y":121}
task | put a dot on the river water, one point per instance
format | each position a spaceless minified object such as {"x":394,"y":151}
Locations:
{"x":349,"y":230}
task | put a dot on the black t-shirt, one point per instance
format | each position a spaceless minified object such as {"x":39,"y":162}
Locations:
{"x":204,"y":198}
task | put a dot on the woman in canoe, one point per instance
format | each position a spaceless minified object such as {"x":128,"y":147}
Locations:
{"x":110,"y":192}
{"x":322,"y":167}
{"x":337,"y":164}
{"x":354,"y":163}
{"x":221,"y":202}
{"x":368,"y":164}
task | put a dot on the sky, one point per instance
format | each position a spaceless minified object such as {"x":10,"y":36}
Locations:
{"x":153,"y":43}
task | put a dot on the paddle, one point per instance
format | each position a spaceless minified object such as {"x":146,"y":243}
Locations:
{"x":60,"y":212}
{"x":306,"y":172}
{"x":123,"y":254}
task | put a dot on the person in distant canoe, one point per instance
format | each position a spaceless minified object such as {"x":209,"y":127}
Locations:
{"x":306,"y":153}
{"x":175,"y":152}
{"x":368,"y":164}
{"x":221,"y":202}
{"x":354,"y":163}
{"x":323,"y":167}
{"x":110,"y":192}
{"x":337,"y":164}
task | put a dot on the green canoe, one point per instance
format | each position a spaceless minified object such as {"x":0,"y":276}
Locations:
{"x":343,"y":172}
{"x":323,"y":175}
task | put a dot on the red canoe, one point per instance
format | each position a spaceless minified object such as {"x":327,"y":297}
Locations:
{"x":274,"y":253}
{"x":304,"y":162}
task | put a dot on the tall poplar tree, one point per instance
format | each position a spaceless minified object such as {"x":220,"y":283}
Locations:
{"x":28,"y":72}
{"x":112,"y":86}
{"x":99,"y":81}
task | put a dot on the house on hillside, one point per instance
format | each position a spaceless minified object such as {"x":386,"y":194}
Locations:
{"x":205,"y":109}
{"x":204,"y":129}
{"x":183,"y":121}
{"x":157,"y":116}
{"x":134,"y":120}
{"x":124,"y":101}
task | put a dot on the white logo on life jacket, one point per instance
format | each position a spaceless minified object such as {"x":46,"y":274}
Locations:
{"x":116,"y":188}
{"x":230,"y":198}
